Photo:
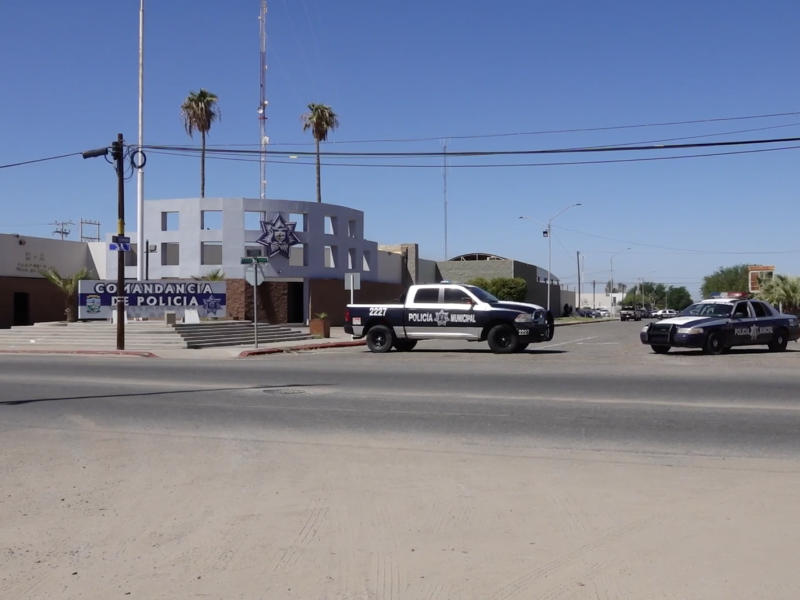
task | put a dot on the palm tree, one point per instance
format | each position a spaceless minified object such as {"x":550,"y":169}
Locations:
{"x":215,"y":275}
{"x":321,"y":120}
{"x":783,"y":291}
{"x":199,"y":111}
{"x":69,"y":287}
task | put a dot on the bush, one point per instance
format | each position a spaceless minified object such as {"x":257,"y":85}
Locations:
{"x":503,"y":288}
{"x":480,"y":282}
{"x":507,"y":288}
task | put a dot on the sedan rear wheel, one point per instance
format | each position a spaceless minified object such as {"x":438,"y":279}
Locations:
{"x":779,"y":343}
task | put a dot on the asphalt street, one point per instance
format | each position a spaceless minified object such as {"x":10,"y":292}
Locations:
{"x":594,"y":387}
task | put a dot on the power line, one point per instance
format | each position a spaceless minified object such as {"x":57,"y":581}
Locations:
{"x":551,"y":131}
{"x":38,"y":160}
{"x":474,"y":153}
{"x":491,"y":166}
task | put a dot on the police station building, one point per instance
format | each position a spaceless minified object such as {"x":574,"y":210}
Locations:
{"x":311,"y":247}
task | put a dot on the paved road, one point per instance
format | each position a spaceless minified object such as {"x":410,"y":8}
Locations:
{"x":586,"y":468}
{"x":594,"y":387}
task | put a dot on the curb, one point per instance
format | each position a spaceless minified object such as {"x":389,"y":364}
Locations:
{"x":135,"y":353}
{"x":585,"y":322}
{"x":263,"y":351}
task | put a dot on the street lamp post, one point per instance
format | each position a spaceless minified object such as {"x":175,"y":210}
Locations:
{"x":612,"y":278}
{"x":549,"y":235}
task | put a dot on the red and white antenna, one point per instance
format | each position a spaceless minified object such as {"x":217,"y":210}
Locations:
{"x":262,"y":105}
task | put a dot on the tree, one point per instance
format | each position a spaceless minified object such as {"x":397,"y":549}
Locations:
{"x":782,"y":291}
{"x":678,"y":298}
{"x":69,"y":287}
{"x":199,"y":111}
{"x":726,"y":279}
{"x":321,"y":120}
{"x":215,"y":275}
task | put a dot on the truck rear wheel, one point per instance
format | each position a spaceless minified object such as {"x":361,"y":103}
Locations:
{"x":404,"y":345}
{"x":503,"y":339}
{"x":380,"y":339}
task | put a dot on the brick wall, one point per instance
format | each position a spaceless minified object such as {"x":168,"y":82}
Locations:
{"x":329,"y":296}
{"x":272,"y":301}
{"x":45,"y":301}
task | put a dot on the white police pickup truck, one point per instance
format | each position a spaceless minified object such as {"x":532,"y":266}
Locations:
{"x":449,"y":311}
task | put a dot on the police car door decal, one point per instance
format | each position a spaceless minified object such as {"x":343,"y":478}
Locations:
{"x":745,"y":328}
{"x":421,"y":313}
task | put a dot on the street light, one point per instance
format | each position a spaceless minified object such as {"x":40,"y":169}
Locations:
{"x":548,"y":234}
{"x":612,"y":277}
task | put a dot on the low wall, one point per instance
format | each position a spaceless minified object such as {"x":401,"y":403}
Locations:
{"x":45,"y":301}
{"x":273,"y":301}
{"x":329,"y":296}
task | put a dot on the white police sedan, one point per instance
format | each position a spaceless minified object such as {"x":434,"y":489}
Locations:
{"x":719,"y":324}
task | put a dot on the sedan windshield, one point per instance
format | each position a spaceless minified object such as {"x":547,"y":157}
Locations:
{"x":708,"y":310}
{"x":481,"y":294}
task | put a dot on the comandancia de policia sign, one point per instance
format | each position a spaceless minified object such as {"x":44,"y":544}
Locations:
{"x":151,"y":299}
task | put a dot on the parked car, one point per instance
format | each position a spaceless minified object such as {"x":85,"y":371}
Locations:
{"x":603,"y":312}
{"x":665,"y":313}
{"x":630,"y":313}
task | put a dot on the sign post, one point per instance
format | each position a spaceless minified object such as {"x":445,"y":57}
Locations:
{"x":352,"y":282}
{"x":251,"y":274}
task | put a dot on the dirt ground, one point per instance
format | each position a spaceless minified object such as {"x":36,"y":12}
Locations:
{"x":94,"y":514}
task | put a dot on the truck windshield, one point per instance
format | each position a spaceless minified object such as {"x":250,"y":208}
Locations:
{"x":481,"y":295}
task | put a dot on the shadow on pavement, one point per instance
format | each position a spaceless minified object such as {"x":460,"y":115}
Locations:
{"x":162,"y":393}
{"x":471,"y":351}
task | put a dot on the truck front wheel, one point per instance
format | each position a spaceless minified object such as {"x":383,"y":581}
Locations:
{"x":503,"y":339}
{"x":380,"y":339}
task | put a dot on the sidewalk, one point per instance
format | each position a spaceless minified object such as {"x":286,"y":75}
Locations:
{"x":338,"y":339}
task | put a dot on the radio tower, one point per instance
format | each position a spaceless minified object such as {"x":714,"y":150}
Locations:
{"x":262,"y":106}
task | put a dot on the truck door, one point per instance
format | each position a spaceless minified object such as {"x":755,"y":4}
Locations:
{"x":424,"y":314}
{"x":462,"y":318}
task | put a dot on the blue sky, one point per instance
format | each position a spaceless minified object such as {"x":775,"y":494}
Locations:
{"x":421,"y":69}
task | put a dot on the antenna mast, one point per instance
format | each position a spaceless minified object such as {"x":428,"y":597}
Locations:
{"x":262,"y":106}
{"x":446,"y":255}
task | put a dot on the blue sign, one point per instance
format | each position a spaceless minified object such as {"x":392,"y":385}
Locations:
{"x":151,"y":299}
{"x":119,"y":247}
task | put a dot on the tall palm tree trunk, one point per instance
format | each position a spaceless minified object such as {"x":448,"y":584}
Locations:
{"x":319,"y":175}
{"x":203,"y":166}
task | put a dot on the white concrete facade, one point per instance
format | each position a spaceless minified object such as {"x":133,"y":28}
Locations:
{"x":25,"y":256}
{"x":215,"y":233}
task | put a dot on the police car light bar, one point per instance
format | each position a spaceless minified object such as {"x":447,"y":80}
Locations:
{"x":728,"y":295}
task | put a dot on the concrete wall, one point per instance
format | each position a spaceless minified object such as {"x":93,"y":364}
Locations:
{"x":24,"y":256}
{"x":45,"y":302}
{"x":346,"y":241}
{"x":390,"y":267}
{"x":464,"y":270}
{"x":428,"y":272}
{"x":272,"y":301}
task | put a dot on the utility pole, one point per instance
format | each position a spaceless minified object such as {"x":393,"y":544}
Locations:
{"x":118,"y":154}
{"x":140,"y":250}
{"x":594,"y":303}
{"x":579,"y":278}
{"x":61,"y":228}
{"x":446,"y":251}
{"x":262,"y":104}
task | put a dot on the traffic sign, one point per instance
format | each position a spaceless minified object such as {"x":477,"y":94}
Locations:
{"x":121,"y":239}
{"x":252,"y":260}
{"x":119,"y":247}
{"x":352,"y":281}
{"x":250,"y":273}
